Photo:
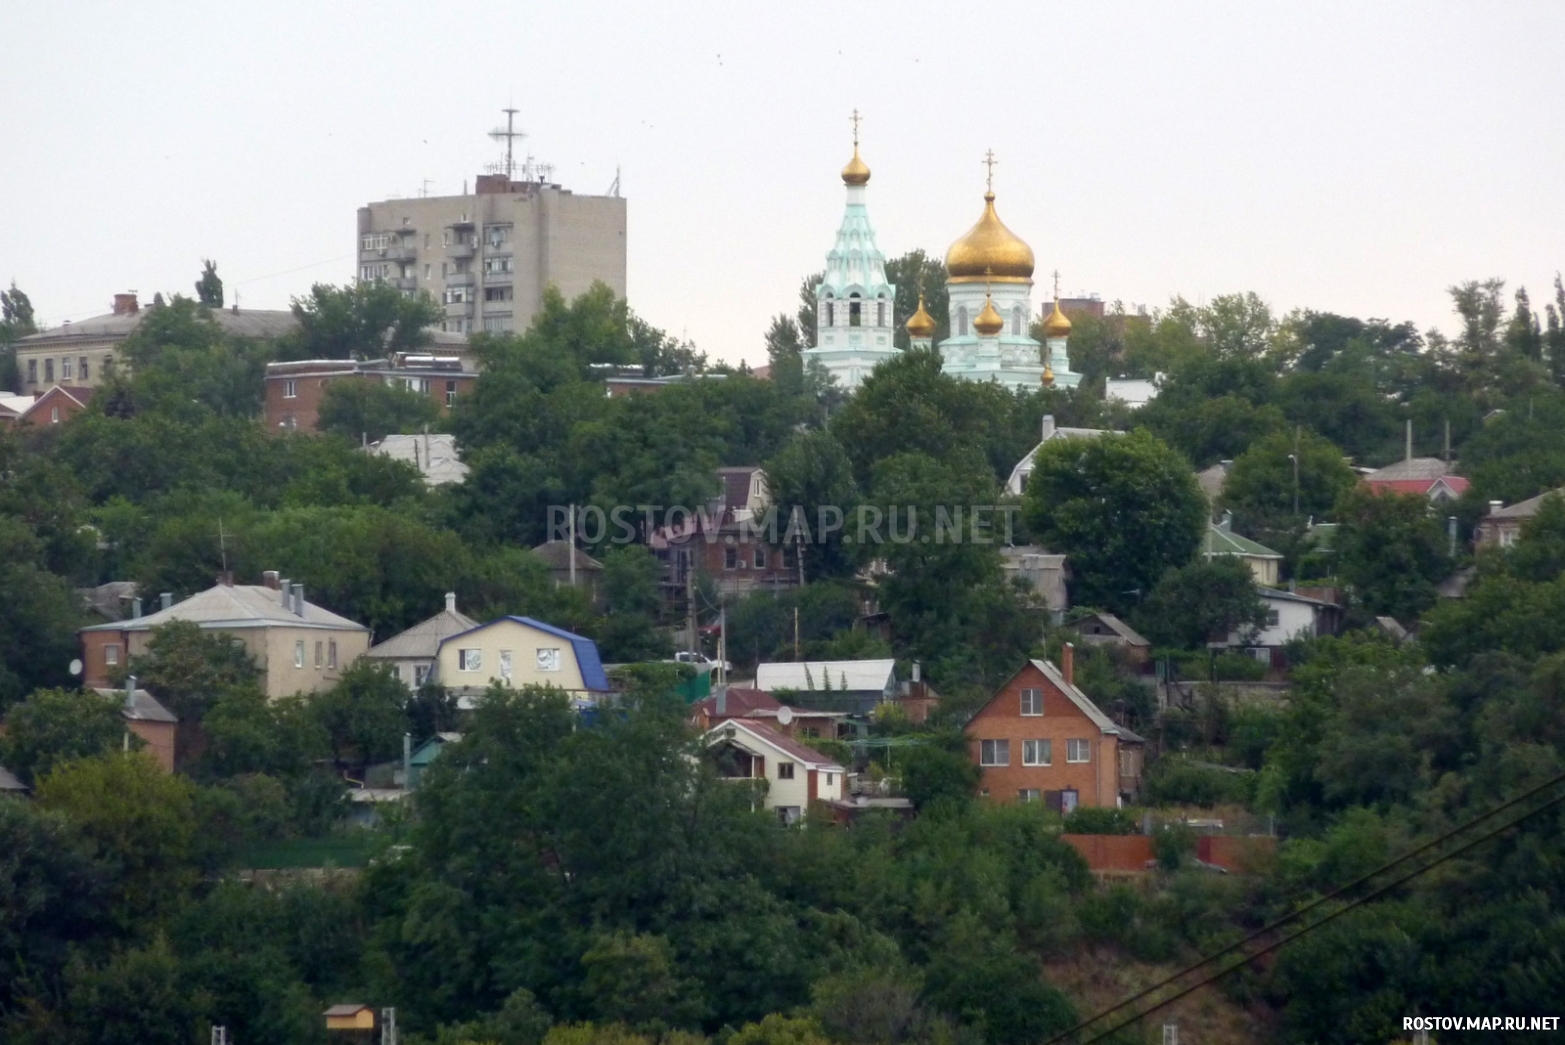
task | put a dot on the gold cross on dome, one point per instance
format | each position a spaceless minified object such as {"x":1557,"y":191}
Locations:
{"x":855,"y":118}
{"x":989,"y":161}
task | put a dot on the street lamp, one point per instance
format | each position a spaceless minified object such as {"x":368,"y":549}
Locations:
{"x":1295,"y":459}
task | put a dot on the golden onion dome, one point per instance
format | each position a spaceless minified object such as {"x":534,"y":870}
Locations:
{"x":857,"y":171}
{"x":989,"y":246}
{"x":1057,"y":325}
{"x":921,"y":324}
{"x":989,"y":322}
{"x":1048,"y":375}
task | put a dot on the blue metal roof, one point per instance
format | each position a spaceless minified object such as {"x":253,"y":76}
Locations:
{"x":587,"y":659}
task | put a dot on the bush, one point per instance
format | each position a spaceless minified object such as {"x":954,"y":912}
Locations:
{"x":1093,"y":820}
{"x":1177,"y":781}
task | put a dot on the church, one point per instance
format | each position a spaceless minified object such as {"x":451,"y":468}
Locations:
{"x":988,"y":277}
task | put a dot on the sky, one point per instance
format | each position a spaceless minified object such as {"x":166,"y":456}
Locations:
{"x":1357,"y":158}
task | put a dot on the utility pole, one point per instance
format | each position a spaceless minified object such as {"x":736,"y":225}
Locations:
{"x":796,"y":633}
{"x":388,"y":1026}
{"x":690,"y":599}
{"x":1295,"y":459}
{"x":573,"y":544}
{"x":722,"y":645}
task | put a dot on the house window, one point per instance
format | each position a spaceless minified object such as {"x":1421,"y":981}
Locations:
{"x":290,"y":389}
{"x":32,"y":371}
{"x":760,"y":558}
{"x":298,"y":653}
{"x":505,"y":664}
{"x":831,"y":779}
{"x":54,"y":415}
{"x":420,"y":674}
{"x":67,"y":369}
{"x":450,"y":392}
{"x":48,"y":371}
{"x":961,"y":321}
{"x":1037,"y":752}
{"x":331,"y":654}
{"x":469,"y":660}
{"x":1078,"y":751}
{"x":730,"y":558}
{"x":1273,"y":618}
{"x":549,"y":658}
{"x":1028,"y":794}
{"x":81,"y":371}
{"x":111,"y":654}
{"x":994,"y":752}
{"x":498,"y":294}
{"x":320,"y":654}
{"x":1032,"y":701}
{"x":785,"y":771}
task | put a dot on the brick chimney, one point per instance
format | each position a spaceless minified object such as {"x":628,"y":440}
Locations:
{"x":271,"y":579}
{"x":125,"y":304}
{"x":1068,"y":664}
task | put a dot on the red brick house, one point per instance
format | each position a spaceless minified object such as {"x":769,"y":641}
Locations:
{"x":55,"y":406}
{"x":294,"y":389}
{"x":731,"y":540}
{"x":1040,"y":739}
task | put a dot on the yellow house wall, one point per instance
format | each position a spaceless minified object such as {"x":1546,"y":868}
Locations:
{"x":273,"y":648}
{"x":523,"y":642}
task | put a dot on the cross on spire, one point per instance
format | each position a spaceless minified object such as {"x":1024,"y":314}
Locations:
{"x":1056,"y":284}
{"x":989,"y":161}
{"x":855,"y":119}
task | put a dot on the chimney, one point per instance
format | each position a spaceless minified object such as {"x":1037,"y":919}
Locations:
{"x":135,"y":608}
{"x":1495,"y":506}
{"x":284,"y":591}
{"x":1068,"y":664}
{"x":130,"y":693}
{"x":1227,"y":525}
{"x":1048,"y":427}
{"x":125,"y":304}
{"x":166,"y":600}
{"x":918,"y":671}
{"x":450,"y":602}
{"x":298,"y":600}
{"x":270,"y":578}
{"x":722,"y":703}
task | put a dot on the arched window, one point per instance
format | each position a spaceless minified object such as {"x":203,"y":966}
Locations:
{"x":831,"y":314}
{"x":880,"y":313}
{"x":961,"y":321}
{"x":854,"y":316}
{"x":1016,"y":320}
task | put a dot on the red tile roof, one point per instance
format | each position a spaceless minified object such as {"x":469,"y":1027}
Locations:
{"x":786,"y":743}
{"x":741,"y":702}
{"x":1421,"y":487}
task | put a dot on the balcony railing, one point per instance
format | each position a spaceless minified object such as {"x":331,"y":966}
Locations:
{"x":499,"y":277}
{"x":460,"y":250}
{"x":460,"y":279}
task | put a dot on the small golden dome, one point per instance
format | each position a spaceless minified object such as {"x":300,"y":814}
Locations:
{"x":921,"y":324}
{"x":988,"y":322}
{"x":1057,"y":325}
{"x":989,"y":245}
{"x":1048,"y":376}
{"x":857,"y":171}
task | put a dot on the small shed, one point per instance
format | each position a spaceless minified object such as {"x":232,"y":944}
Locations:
{"x":350,"y":1017}
{"x":424,"y":754}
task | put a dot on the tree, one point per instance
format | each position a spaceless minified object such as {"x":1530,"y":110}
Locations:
{"x":365,"y":320}
{"x":185,"y":367}
{"x":139,"y":997}
{"x":189,"y":668}
{"x":1391,"y":549}
{"x":785,"y":345}
{"x":933,"y":773}
{"x":913,"y":273}
{"x":630,"y":590}
{"x":371,"y":410}
{"x":813,"y":474}
{"x":364,"y":713}
{"x":1202,"y":601}
{"x":38,"y":615}
{"x":209,"y":288}
{"x":16,"y":322}
{"x":1260,"y":486}
{"x":1125,"y":509}
{"x":54,"y":726}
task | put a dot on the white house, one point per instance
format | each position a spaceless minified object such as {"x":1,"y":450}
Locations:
{"x":1134,"y":392}
{"x":795,"y":775}
{"x":411,"y":654}
{"x":519,"y":651}
{"x":1023,"y":470}
{"x":1288,"y":616}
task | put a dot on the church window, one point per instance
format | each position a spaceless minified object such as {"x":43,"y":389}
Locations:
{"x":880,"y":313}
{"x":854,"y":317}
{"x":1016,"y":320}
{"x":831,"y":314}
{"x":961,"y":321}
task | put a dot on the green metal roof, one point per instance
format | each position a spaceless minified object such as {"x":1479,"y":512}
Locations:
{"x":1220,"y":540}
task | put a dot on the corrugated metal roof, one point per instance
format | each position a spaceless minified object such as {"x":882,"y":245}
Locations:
{"x":1220,"y":540}
{"x":423,"y":639}
{"x":1412,"y":468}
{"x":146,"y":709}
{"x":236,"y":606}
{"x":1524,"y":509}
{"x":812,"y":675}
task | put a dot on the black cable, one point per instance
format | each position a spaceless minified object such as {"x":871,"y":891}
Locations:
{"x":1247,"y":959}
{"x":1312,"y":905}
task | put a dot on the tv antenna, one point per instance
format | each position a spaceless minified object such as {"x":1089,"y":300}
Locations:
{"x":510,"y":135}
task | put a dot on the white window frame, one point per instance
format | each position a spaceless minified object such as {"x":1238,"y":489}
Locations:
{"x":331,"y":653}
{"x":67,"y":369}
{"x":298,"y":653}
{"x":1029,"y":794}
{"x":1032,"y":703}
{"x":111,"y":654}
{"x":548,"y":658}
{"x":1037,"y":752}
{"x":290,"y":389}
{"x":1078,"y":752}
{"x":470,"y":660}
{"x":994,"y":752}
{"x":506,"y":668}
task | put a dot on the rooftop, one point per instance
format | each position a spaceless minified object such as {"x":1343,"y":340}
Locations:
{"x":1425,"y":468}
{"x":256,"y":323}
{"x":759,"y":731}
{"x":820,"y":675}
{"x":1524,"y":509}
{"x":423,"y":639}
{"x":557,"y":556}
{"x":1221,"y":540}
{"x":236,"y":606}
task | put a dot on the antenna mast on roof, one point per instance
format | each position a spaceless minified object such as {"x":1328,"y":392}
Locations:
{"x":509,"y":134}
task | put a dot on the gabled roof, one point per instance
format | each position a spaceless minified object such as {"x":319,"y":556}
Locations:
{"x":736,"y":482}
{"x":1280,"y":595}
{"x":9,"y":782}
{"x":146,"y":708}
{"x":232,"y":606}
{"x":257,"y":323}
{"x":811,"y":676}
{"x":1221,"y":540}
{"x":587,"y":660}
{"x":740,"y":702}
{"x":1423,"y":487}
{"x":760,"y":733}
{"x":1426,"y":468}
{"x":1117,"y":626}
{"x":1524,"y":509}
{"x":1083,"y":703}
{"x":557,"y":554}
{"x":435,"y":456}
{"x":423,"y":639}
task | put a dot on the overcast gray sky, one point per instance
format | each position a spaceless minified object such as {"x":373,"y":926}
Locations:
{"x":1354,"y":157}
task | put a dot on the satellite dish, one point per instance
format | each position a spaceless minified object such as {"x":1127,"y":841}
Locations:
{"x":76,"y":667}
{"x":784,"y":715}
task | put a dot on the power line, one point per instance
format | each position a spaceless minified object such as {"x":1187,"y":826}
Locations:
{"x":1318,"y":902}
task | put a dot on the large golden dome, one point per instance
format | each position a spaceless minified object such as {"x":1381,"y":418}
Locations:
{"x":921,"y":324}
{"x":989,"y":251}
{"x":857,"y":171}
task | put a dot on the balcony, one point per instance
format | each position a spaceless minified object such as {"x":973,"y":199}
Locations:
{"x":407,"y":253}
{"x":460,"y":279}
{"x":408,"y":283}
{"x":458,"y":309}
{"x":460,"y":250}
{"x":498,"y":278}
{"x":461,"y":223}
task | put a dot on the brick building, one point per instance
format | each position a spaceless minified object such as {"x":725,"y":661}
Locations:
{"x":1040,"y":739}
{"x":294,"y":390}
{"x":728,"y":541}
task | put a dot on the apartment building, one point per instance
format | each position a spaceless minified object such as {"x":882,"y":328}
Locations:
{"x":488,"y":256}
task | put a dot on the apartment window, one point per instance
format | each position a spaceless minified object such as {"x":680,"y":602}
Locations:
{"x":450,"y":392}
{"x":760,"y":558}
{"x":730,"y":558}
{"x":497,"y":236}
{"x":1037,"y":752}
{"x":111,"y":655}
{"x":48,"y":371}
{"x":426,"y":264}
{"x":1078,"y":751}
{"x":470,"y":660}
{"x":82,"y":369}
{"x":458,"y":295}
{"x":290,"y":389}
{"x":32,"y":371}
{"x":373,"y":272}
{"x":994,"y":752}
{"x":549,"y":658}
{"x":66,"y":369}
{"x":320,"y":654}
{"x":1273,"y":618}
{"x":1032,"y":701}
{"x":498,"y":266}
{"x":785,"y":771}
{"x":497,"y":324}
{"x":1028,"y":794}
{"x":498,"y":293}
{"x":377,"y":241}
{"x":331,"y":654}
{"x":298,"y":653}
